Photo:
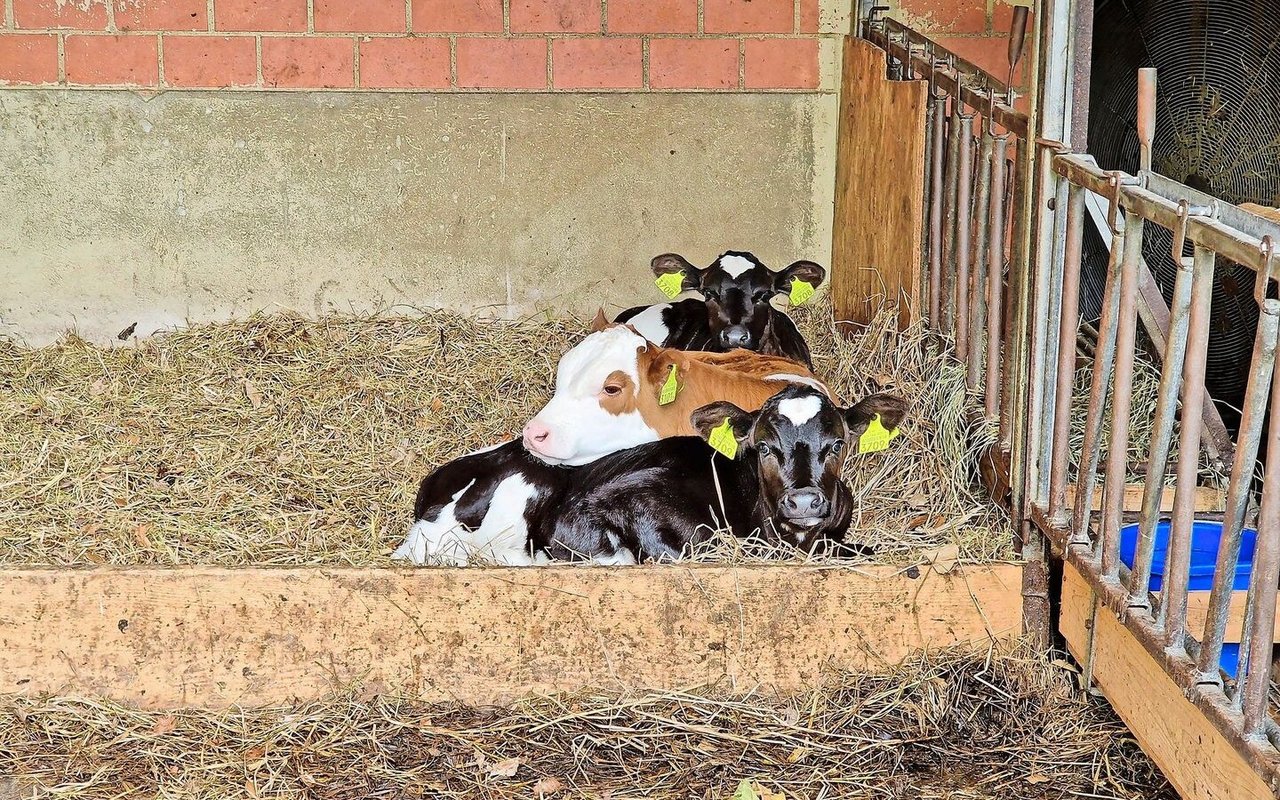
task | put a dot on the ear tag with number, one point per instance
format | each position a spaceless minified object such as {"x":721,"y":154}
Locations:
{"x":723,"y":441}
{"x":671,"y":284}
{"x":669,"y":388}
{"x":800,"y":291}
{"x":876,"y":437}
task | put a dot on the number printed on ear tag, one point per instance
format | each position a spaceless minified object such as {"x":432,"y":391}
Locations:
{"x":800,"y":291}
{"x":669,"y":388}
{"x":671,"y":283}
{"x":876,"y":437}
{"x":723,"y":441}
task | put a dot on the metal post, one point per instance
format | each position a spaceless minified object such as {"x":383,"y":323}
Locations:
{"x":981,"y":244}
{"x":1069,"y":324}
{"x":937,"y":150}
{"x":995,"y":278}
{"x":962,"y":243}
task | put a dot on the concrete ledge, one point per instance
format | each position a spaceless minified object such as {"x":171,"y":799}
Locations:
{"x":213,"y":637}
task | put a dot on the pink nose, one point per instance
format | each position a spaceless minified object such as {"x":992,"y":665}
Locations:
{"x":536,"y":433}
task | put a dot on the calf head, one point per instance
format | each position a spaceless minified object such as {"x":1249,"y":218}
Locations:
{"x":595,"y":408}
{"x":799,"y":439}
{"x":737,"y":288}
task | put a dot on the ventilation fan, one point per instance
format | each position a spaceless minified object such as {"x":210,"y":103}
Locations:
{"x":1217,"y":130}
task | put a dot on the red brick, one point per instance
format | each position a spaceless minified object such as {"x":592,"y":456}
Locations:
{"x":371,"y":16}
{"x":162,"y":15}
{"x":748,"y":16}
{"x":28,"y":58}
{"x":32,"y":14}
{"x":404,"y":63}
{"x":989,"y":53}
{"x":210,"y":61}
{"x":1002,"y":18}
{"x":502,"y":63}
{"x":781,"y":64}
{"x":693,"y":63}
{"x":808,"y":16}
{"x":597,"y":63}
{"x":123,"y":60}
{"x":950,"y":16}
{"x":260,"y":15}
{"x":653,"y":16}
{"x":555,"y":16}
{"x":457,"y":16}
{"x":308,"y":63}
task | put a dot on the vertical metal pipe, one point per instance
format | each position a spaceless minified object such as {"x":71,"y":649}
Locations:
{"x":1068,"y":326}
{"x":1016,"y":221}
{"x":950,"y":200}
{"x":1175,"y":351}
{"x":937,"y":149}
{"x":981,"y":243}
{"x":963,"y":229}
{"x":995,"y":277}
{"x":1122,"y":395}
{"x":1146,"y":115}
{"x":1173,"y":597}
{"x":1087,"y":474}
{"x":1038,"y":412}
{"x":1255,"y":401}
{"x":1260,"y":630}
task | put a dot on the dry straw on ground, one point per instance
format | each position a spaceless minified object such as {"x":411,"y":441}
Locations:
{"x":279,"y":440}
{"x":950,"y":725}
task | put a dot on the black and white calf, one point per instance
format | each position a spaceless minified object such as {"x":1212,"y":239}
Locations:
{"x":735,"y":309}
{"x":656,"y":500}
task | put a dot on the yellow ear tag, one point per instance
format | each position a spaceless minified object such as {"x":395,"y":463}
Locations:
{"x":723,"y":441}
{"x":876,"y":437}
{"x":671,"y":283}
{"x":669,"y":388}
{"x":800,"y":291}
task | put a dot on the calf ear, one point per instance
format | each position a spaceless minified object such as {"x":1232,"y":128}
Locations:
{"x":890,"y":408}
{"x":711,"y":416}
{"x":806,"y":271}
{"x":674,"y":264}
{"x":600,"y":322}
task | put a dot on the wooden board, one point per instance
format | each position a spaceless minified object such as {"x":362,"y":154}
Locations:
{"x":1199,"y":762}
{"x":212,"y":637}
{"x":1198,"y":612}
{"x":877,"y":235}
{"x":1208,"y":499}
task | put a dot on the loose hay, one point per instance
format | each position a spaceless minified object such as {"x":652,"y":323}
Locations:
{"x":1006,"y":726}
{"x":279,"y":440}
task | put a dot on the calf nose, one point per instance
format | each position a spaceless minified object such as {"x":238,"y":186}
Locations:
{"x":536,"y":433}
{"x":735,"y":337}
{"x":804,"y":503}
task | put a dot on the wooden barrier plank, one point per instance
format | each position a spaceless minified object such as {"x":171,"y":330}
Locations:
{"x":1207,"y":498}
{"x":1198,"y":612}
{"x":212,"y":637}
{"x":878,"y":235}
{"x":1199,"y":762}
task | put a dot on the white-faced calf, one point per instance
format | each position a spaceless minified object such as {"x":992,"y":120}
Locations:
{"x":735,"y":311}
{"x":658,"y":500}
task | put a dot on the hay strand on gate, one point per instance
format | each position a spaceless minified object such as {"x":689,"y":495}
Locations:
{"x":1000,"y":725}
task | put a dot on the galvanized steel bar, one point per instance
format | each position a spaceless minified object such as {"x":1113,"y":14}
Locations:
{"x":950,"y":198}
{"x":937,"y":158}
{"x":1069,"y":323}
{"x":1122,"y":396}
{"x":981,"y":242}
{"x":1165,"y":413}
{"x":962,"y":243}
{"x":995,"y":278}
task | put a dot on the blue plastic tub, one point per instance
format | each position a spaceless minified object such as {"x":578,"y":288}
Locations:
{"x":1204,"y":558}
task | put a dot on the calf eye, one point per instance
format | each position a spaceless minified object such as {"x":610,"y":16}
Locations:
{"x":766,"y":451}
{"x":612,"y":390}
{"x":837,"y":447}
{"x":761,"y":297}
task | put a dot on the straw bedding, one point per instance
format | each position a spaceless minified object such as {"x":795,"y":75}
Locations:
{"x":1005,"y":726}
{"x":279,"y":440}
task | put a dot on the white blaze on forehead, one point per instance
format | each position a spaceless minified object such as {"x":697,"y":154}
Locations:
{"x":736,"y":265}
{"x":650,"y":325}
{"x":800,"y":409}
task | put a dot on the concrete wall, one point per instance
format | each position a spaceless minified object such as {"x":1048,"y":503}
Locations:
{"x":175,"y":160}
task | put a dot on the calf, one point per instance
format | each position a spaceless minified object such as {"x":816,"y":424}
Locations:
{"x":735,"y":311}
{"x":657,"y":500}
{"x":610,"y":393}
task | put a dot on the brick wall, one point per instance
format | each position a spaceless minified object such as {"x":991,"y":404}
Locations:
{"x":438,"y":45}
{"x":977,"y":30}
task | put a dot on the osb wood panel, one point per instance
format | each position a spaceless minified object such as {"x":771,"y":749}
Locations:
{"x":1196,"y":759}
{"x":877,"y":233}
{"x":212,"y":637}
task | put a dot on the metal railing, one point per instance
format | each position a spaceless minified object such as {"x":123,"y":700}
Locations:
{"x":1001,"y":273}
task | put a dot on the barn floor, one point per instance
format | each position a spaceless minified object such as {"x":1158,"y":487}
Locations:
{"x":284,"y":441}
{"x":948,"y":726}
